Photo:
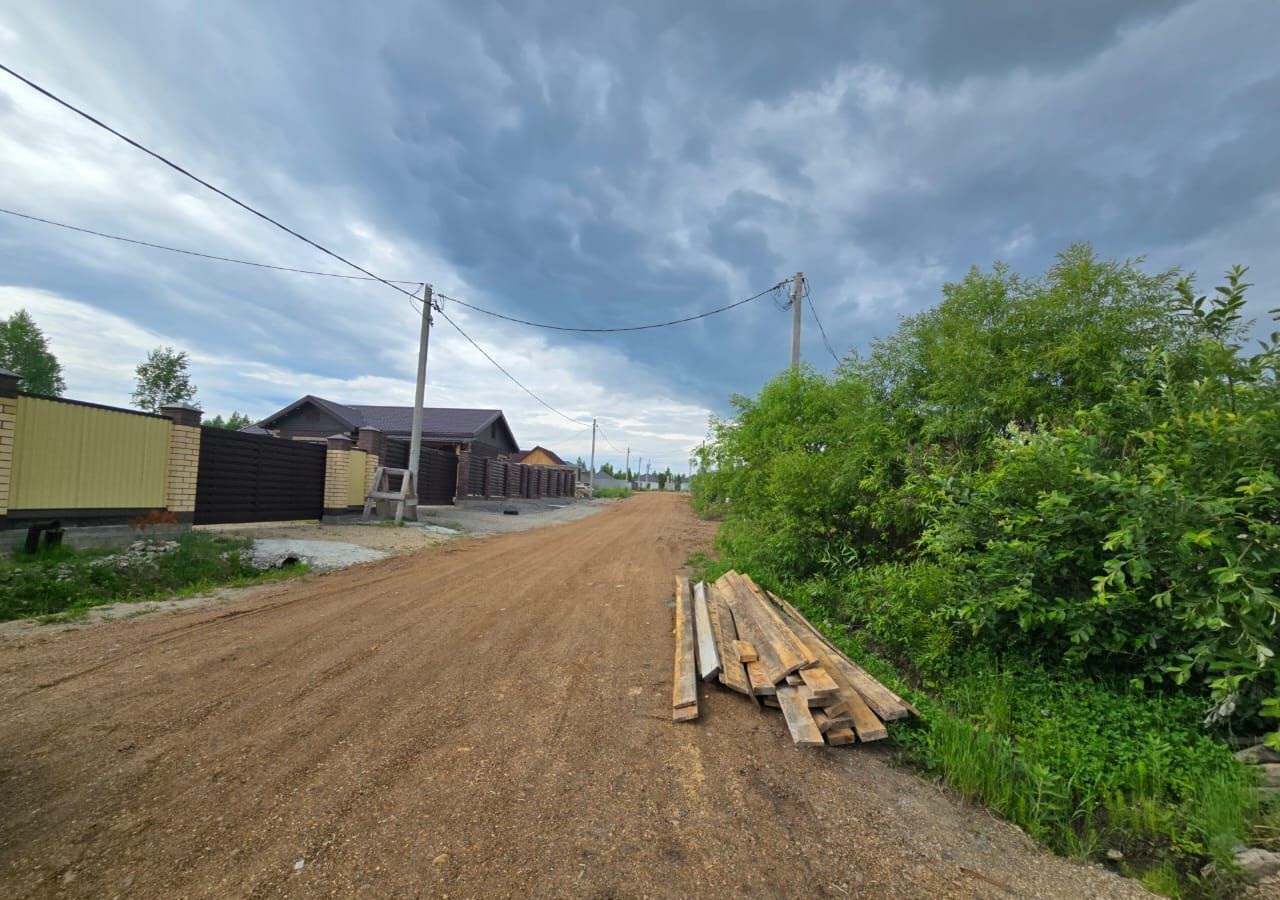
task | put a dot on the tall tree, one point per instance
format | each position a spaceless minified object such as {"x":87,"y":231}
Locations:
{"x":24,"y":350}
{"x":163,"y":379}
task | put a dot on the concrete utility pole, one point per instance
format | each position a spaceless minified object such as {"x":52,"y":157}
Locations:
{"x":415,"y":442}
{"x":591,"y":483}
{"x":797,"y":299}
{"x":628,"y":463}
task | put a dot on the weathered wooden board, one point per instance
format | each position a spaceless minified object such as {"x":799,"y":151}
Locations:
{"x":684,"y":714}
{"x":847,"y":707}
{"x":800,"y":722}
{"x":838,"y":736}
{"x":886,"y":704}
{"x":684,"y":688}
{"x":774,"y":652}
{"x":746,"y":652}
{"x":818,"y":681}
{"x":732,"y":673}
{"x":779,"y":624}
{"x":708,"y":653}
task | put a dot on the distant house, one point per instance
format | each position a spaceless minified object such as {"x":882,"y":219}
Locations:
{"x":605,"y":480}
{"x":646,"y":483}
{"x":482,"y":432}
{"x":538,"y":456}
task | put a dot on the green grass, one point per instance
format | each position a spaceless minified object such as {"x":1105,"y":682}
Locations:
{"x":615,"y":493}
{"x":60,"y":583}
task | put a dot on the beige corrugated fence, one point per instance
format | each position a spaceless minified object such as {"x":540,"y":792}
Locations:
{"x":72,"y":456}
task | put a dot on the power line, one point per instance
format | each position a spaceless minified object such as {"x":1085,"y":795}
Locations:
{"x":813,"y":309}
{"x":516,"y":381}
{"x":179,"y":169}
{"x":479,"y":309}
{"x":281,"y":226}
{"x":703,"y":315}
{"x":227,"y":259}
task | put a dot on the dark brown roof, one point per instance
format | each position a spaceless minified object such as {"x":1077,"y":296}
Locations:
{"x":438,"y":423}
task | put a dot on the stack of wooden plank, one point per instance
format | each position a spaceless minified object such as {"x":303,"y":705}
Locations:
{"x":758,"y":644}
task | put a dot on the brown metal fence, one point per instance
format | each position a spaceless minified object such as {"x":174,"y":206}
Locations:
{"x":485,"y":477}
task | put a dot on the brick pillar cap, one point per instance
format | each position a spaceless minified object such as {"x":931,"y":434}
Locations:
{"x":339,"y":442}
{"x":364,"y":428}
{"x":182,"y":413}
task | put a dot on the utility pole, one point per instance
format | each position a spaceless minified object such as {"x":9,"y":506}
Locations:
{"x":591,"y":484}
{"x":415,"y":445}
{"x":628,"y":464}
{"x":797,"y":298}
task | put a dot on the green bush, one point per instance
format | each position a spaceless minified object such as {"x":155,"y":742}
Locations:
{"x":618,"y":492}
{"x":1076,"y":474}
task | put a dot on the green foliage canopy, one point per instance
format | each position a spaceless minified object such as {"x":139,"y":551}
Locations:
{"x":25,"y":350}
{"x":163,"y":379}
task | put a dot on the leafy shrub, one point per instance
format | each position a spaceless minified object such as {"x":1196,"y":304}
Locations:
{"x":1077,"y":472}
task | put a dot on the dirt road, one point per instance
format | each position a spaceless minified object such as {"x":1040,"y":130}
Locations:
{"x":486,"y":718}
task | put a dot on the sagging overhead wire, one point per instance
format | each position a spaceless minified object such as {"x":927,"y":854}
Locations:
{"x":277,"y":224}
{"x":813,"y":309}
{"x":197,"y":179}
{"x":516,"y":381}
{"x":549,"y":326}
{"x":278,"y":268}
{"x":226,"y":259}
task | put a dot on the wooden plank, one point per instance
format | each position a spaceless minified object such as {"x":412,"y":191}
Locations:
{"x":795,"y":680}
{"x":774,"y":651}
{"x":746,"y":652}
{"x":759,"y":678}
{"x":732,"y":673}
{"x":799,"y":720}
{"x":684,"y":714}
{"x":684,"y":687}
{"x":838,"y":736}
{"x":886,"y":704}
{"x":847,"y":707}
{"x":820,"y":719}
{"x":708,"y":655}
{"x":821,"y":683}
{"x":784,"y":630}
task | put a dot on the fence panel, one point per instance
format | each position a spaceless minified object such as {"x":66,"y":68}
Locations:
{"x":70,"y":455}
{"x":255,"y":478}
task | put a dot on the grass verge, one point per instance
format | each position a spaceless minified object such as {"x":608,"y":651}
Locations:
{"x":60,"y":583}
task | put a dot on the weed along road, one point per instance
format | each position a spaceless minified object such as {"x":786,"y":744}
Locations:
{"x":488,"y":718}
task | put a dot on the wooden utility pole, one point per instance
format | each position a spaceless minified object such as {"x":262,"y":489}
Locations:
{"x":415,"y":443}
{"x":591,"y":483}
{"x":797,"y":299}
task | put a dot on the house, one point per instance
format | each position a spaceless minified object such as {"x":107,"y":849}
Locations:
{"x":482,"y":432}
{"x":538,"y":456}
{"x":605,"y":480}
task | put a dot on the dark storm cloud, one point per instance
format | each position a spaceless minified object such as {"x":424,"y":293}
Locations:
{"x":597,"y":164}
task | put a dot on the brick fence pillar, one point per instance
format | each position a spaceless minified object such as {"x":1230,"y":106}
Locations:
{"x":374,"y":443}
{"x":184,"y":460}
{"x":336,"y":462}
{"x":8,"y":430}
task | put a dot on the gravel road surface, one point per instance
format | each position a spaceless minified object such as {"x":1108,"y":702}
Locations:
{"x":488,"y":718}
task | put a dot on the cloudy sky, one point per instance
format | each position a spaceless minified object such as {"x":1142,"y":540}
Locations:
{"x":603,"y":164}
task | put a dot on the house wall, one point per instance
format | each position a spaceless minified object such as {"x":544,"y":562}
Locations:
{"x":70,"y":456}
{"x":538,"y":457}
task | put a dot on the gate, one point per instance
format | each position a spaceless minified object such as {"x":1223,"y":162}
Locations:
{"x":257,"y":478}
{"x":437,"y":472}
